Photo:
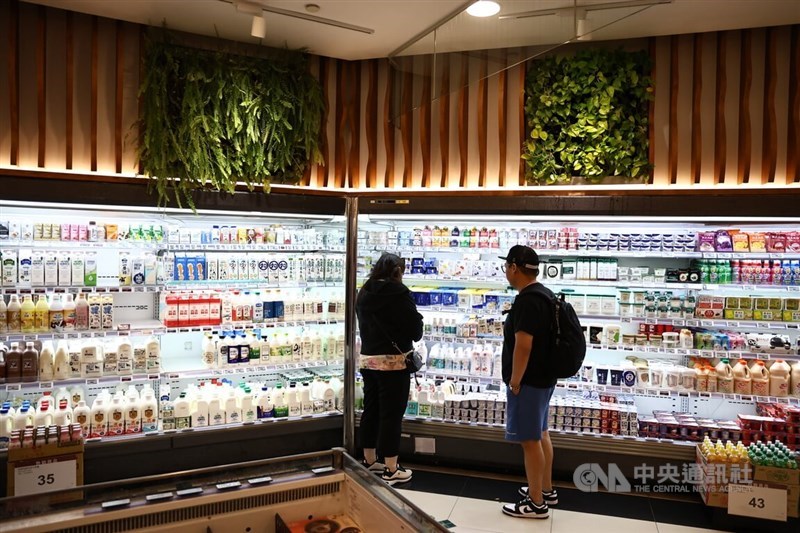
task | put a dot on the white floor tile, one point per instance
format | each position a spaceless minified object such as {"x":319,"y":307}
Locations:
{"x":439,"y":506}
{"x":569,"y":522}
{"x":673,"y":528}
{"x":486,"y":516}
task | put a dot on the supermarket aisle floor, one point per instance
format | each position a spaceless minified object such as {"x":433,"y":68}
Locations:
{"x":473,"y":505}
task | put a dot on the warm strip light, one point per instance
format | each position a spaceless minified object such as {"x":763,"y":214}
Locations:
{"x":484,"y":8}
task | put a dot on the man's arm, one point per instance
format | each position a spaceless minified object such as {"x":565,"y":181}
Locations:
{"x":523,"y":342}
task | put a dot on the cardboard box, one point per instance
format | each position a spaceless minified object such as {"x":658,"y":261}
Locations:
{"x":771,"y":474}
{"x":49,"y":453}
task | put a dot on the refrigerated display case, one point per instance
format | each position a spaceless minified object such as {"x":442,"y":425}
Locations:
{"x":690,"y":305}
{"x":219,"y":332}
{"x":323,"y":491}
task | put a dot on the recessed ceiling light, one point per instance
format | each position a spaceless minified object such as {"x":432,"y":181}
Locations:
{"x":312,"y":8}
{"x":484,"y":8}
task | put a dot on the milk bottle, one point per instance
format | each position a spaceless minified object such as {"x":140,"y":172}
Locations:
{"x":116,"y":416}
{"x":248,"y":406}
{"x":61,"y":368}
{"x":56,"y":314}
{"x":200,"y":413}
{"x":124,"y":357}
{"x":63,"y":415}
{"x":149,"y":407}
{"x":30,"y":363}
{"x":99,"y":418}
{"x":233,"y":411}
{"x":216,"y":411}
{"x":264,"y":404}
{"x":6,"y":425}
{"x":701,"y":379}
{"x":47,"y":362}
{"x":293,"y":403}
{"x":742,"y":379}
{"x":209,"y":351}
{"x":81,"y":313}
{"x":133,"y":414}
{"x":424,"y":406}
{"x":281,"y":409}
{"x":760,"y":378}
{"x":724,"y":377}
{"x":23,"y":418}
{"x":82,"y":415}
{"x":779,"y":378}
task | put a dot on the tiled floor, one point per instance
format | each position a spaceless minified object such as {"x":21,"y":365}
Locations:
{"x":471,"y":515}
{"x":473,"y":501}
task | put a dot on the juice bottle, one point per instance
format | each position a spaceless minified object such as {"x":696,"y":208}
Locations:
{"x":69,"y":314}
{"x":779,"y":378}
{"x":27,"y":315}
{"x":724,"y":377}
{"x":13,"y":314}
{"x":742,"y":379}
{"x":81,"y":313}
{"x":42,"y":314}
{"x":3,"y":316}
{"x":760,"y":378}
{"x":56,"y":321}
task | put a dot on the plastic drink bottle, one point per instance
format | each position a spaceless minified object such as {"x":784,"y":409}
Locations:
{"x":27,"y":314}
{"x":760,"y":378}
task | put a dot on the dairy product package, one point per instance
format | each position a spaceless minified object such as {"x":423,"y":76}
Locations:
{"x":9,"y":273}
{"x":107,"y":311}
{"x":64,"y":270}
{"x":37,"y":269}
{"x":25,"y":268}
{"x":95,"y":311}
{"x":50,"y":270}
{"x":90,"y":270}
{"x":124,"y":269}
{"x":137,"y":270}
{"x":150,"y":269}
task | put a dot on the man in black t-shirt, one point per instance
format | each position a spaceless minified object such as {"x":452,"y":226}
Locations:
{"x":526,"y":338}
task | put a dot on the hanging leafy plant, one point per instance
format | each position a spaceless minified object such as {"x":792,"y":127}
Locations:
{"x":587,"y":115}
{"x":210,"y":119}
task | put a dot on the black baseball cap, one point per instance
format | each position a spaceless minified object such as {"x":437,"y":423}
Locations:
{"x":523,"y":256}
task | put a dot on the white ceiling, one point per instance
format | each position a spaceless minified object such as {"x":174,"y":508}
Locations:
{"x":396,"y":22}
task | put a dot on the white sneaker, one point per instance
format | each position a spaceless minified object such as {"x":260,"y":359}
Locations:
{"x":401,"y":475}
{"x":526,"y":509}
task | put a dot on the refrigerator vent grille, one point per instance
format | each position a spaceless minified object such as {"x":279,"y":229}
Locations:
{"x":208,"y":510}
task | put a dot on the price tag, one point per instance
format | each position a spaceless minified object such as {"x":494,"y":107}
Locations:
{"x":14,"y":387}
{"x":92,"y":381}
{"x":651,"y":321}
{"x":757,"y":502}
{"x":763,"y":325}
{"x":696,"y":353}
{"x":678,"y":322}
{"x":793,"y":288}
{"x":45,"y":384}
{"x":57,"y":475}
{"x":692,"y":323}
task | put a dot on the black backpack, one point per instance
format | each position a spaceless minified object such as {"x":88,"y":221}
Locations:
{"x":567,"y":344}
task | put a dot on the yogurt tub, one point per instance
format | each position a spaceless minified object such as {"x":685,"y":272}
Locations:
{"x":625,"y":296}
{"x":639,"y":297}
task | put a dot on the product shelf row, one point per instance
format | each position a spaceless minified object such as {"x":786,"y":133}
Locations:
{"x":706,"y":354}
{"x":176,"y":285}
{"x":589,"y":253}
{"x":233,"y":371}
{"x":157,"y":328}
{"x":157,"y":246}
{"x":568,"y":385}
{"x":500,"y":283}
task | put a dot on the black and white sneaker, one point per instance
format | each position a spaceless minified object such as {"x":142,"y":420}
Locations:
{"x":550,"y":498}
{"x":401,"y":475}
{"x":376,"y":467}
{"x":526,"y":509}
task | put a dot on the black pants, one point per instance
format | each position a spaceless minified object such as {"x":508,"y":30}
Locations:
{"x":385,"y":400}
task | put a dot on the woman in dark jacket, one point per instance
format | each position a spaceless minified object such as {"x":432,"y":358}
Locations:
{"x":388,"y":323}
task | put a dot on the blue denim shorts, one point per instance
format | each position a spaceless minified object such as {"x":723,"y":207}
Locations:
{"x":526,"y":413}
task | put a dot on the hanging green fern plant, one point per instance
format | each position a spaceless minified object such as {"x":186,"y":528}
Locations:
{"x":587,"y":116}
{"x":212,"y":119}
